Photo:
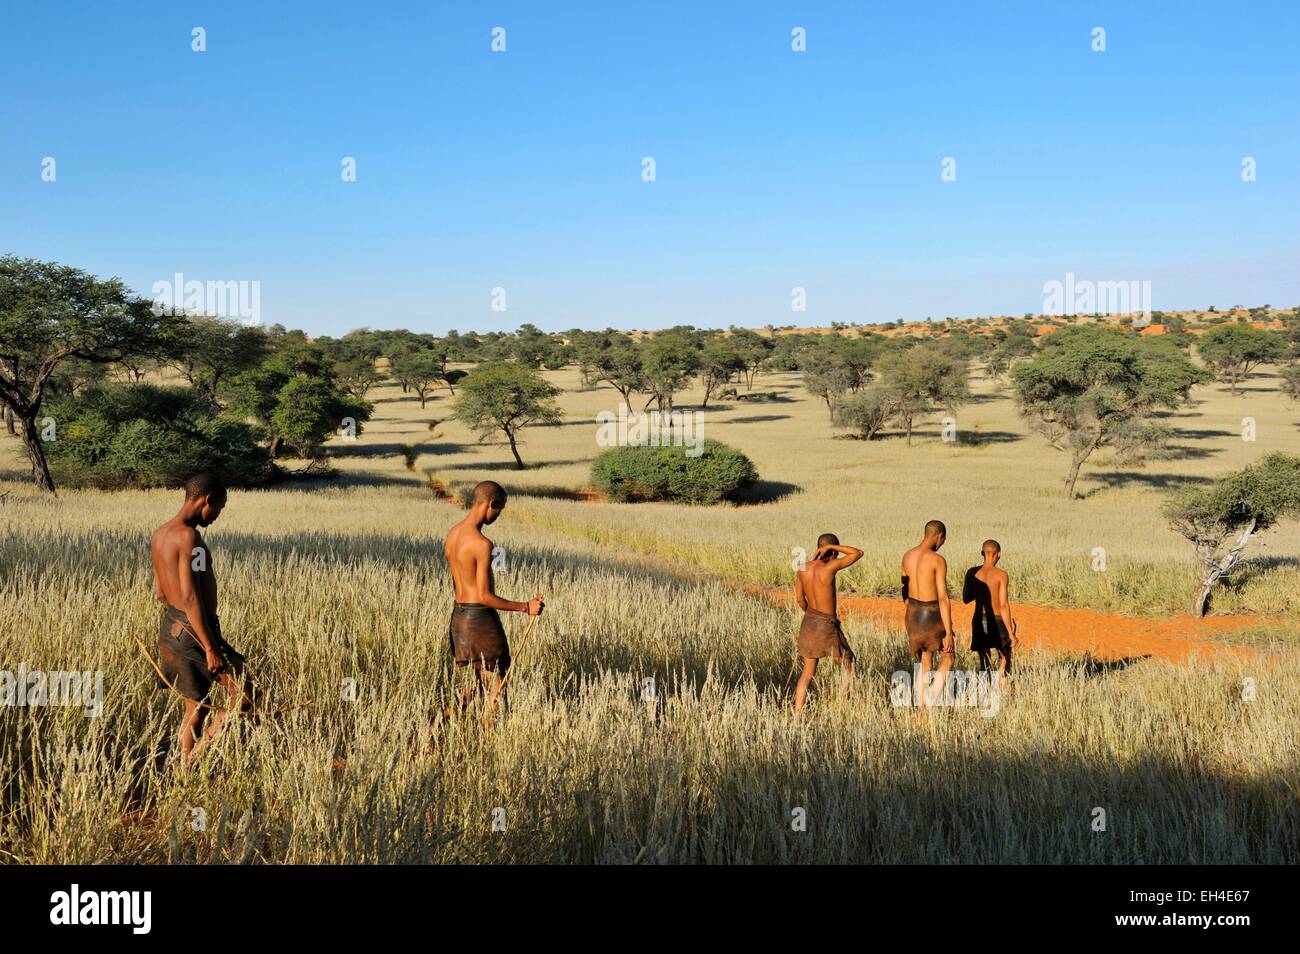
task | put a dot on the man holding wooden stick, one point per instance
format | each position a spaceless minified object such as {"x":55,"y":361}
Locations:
{"x":193,"y":654}
{"x":476,"y":635}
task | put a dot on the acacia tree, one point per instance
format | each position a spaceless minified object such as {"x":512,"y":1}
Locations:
{"x":50,"y":313}
{"x":668,"y":361}
{"x":357,"y":375}
{"x":868,"y":412}
{"x":719,"y":363}
{"x":309,"y":410}
{"x":294,"y":396}
{"x":753,"y":349}
{"x":999,"y":359}
{"x":211,"y":349}
{"x":423,"y":371}
{"x":1235,"y":349}
{"x":1092,"y":386}
{"x":506,"y":397}
{"x":1291,"y":382}
{"x":921,"y":377}
{"x":1220,"y":520}
{"x":825,"y":374}
{"x":619,"y":366}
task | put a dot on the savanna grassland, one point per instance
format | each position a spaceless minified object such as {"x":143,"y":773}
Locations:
{"x":648,"y":719}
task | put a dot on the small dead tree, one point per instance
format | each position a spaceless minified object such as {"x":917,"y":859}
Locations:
{"x":1220,"y":520}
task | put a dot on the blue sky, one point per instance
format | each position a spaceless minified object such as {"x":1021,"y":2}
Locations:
{"x":775,"y":169}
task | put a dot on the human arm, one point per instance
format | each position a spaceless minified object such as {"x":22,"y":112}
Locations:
{"x":191,"y":603}
{"x":483,"y":578}
{"x":945,"y":609}
{"x":1004,"y":609}
{"x":847,"y":556}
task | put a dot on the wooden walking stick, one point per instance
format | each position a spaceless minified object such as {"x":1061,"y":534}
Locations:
{"x":144,"y":651}
{"x":501,"y":687}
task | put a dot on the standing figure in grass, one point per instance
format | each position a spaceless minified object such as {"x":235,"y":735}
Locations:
{"x":820,"y":634}
{"x":476,"y":635}
{"x":992,"y":628}
{"x":929,"y":616}
{"x":192,"y":652}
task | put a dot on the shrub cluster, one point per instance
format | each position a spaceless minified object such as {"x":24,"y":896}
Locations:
{"x":140,"y":435}
{"x":644,"y":472}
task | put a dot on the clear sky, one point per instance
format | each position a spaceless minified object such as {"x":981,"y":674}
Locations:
{"x":774,"y":169}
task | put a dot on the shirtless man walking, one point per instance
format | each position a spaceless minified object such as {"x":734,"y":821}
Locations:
{"x":993,"y":629}
{"x":192,"y":652}
{"x":929,"y":617}
{"x":821,"y":635}
{"x":476,"y":634}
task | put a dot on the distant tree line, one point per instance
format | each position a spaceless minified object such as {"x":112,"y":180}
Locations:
{"x":77,"y":344}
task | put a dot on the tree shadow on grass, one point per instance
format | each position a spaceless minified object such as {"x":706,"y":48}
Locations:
{"x":343,"y":479}
{"x":413,"y":398}
{"x":1113,"y":480}
{"x":1184,"y":452}
{"x":1253,"y":567}
{"x":1093,"y":667}
{"x":393,"y":449}
{"x":976,"y":438}
{"x":509,"y":465}
{"x":553,"y":492}
{"x":764,"y":492}
{"x":758,"y":419}
{"x":1200,"y":434}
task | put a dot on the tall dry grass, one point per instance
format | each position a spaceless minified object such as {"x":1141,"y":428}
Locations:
{"x":344,"y":581}
{"x":319,"y":587}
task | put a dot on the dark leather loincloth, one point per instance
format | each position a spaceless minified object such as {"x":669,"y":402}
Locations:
{"x":925,"y":629}
{"x":181,"y":658}
{"x":477,"y":636}
{"x":820,"y":635}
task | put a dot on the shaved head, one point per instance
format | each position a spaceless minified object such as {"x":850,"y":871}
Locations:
{"x":991,"y":547}
{"x":489,"y":491}
{"x":204,"y":485}
{"x":935,"y":528}
{"x":828,"y":538}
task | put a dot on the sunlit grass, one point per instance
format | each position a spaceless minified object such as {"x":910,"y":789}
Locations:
{"x":327,"y":583}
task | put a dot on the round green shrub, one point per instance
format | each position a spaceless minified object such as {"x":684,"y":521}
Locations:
{"x":140,"y":435}
{"x":643,"y":472}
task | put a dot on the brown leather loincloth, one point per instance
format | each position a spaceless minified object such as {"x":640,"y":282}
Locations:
{"x":476,"y":636}
{"x":925,"y":629}
{"x":182,"y":659}
{"x":820,"y":635}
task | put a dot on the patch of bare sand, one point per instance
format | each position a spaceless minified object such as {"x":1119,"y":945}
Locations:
{"x":1108,"y":636}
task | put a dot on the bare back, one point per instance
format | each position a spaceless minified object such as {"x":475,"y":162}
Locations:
{"x":469,"y":554}
{"x":182,"y":564}
{"x":816,"y":581}
{"x":996,"y":580}
{"x":925,"y":574}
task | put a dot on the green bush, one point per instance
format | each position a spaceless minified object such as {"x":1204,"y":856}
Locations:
{"x":140,"y":435}
{"x":642,"y":472}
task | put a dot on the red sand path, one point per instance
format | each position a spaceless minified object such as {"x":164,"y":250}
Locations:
{"x":1111,"y":636}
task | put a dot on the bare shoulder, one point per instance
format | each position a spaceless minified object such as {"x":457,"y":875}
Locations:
{"x":174,"y":536}
{"x":474,"y":542}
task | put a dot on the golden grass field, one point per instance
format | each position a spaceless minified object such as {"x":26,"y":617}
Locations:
{"x":326,"y":582}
